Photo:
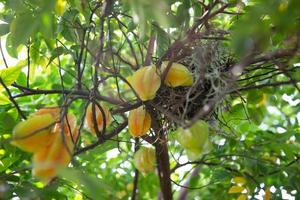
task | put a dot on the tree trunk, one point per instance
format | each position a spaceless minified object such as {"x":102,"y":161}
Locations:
{"x":163,"y":167}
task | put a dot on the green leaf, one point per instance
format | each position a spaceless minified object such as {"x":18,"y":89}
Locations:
{"x":23,"y":27}
{"x":16,"y":5}
{"x":4,"y":99}
{"x":182,"y":14}
{"x":163,"y":41}
{"x":11,"y":74}
{"x":4,"y":29}
{"x":70,"y":17}
{"x":11,"y":50}
{"x":96,"y":188}
{"x":6,"y":162}
{"x":7,"y":123}
{"x":56,"y":53}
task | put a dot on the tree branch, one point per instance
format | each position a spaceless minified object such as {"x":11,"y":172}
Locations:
{"x":108,"y":136}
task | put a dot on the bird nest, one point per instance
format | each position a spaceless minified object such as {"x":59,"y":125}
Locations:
{"x":209,"y":64}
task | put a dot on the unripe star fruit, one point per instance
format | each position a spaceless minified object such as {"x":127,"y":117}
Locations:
{"x":34,"y":133}
{"x":139,"y":122}
{"x":195,"y":139}
{"x":145,"y":82}
{"x":99,"y":118}
{"x":178,"y":75}
{"x":144,"y":159}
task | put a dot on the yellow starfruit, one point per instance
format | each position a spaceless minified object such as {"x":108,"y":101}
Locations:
{"x":146,"y":82}
{"x":50,"y":138}
{"x":47,"y":160}
{"x":69,"y":124}
{"x":54,"y":111}
{"x":139,"y":122}
{"x":144,"y":160}
{"x":178,"y":75}
{"x":99,"y":118}
{"x":58,"y":153}
{"x":34,"y":133}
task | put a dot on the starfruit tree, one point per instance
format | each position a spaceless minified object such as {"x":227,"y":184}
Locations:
{"x":161,"y":99}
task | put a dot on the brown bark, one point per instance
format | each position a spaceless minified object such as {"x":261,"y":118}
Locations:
{"x":163,"y":167}
{"x":162,"y":156}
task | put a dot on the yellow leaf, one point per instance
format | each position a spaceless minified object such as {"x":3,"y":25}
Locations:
{"x":78,"y":197}
{"x":129,"y":186}
{"x":236,"y":189}
{"x":239,"y":180}
{"x":121,"y":194}
{"x":60,"y":7}
{"x":242,"y":197}
{"x":262,"y":101}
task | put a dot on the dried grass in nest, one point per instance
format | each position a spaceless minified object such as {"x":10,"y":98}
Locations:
{"x":209,"y":64}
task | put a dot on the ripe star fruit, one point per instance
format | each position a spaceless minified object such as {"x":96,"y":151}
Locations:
{"x":34,"y":133}
{"x":99,"y":118}
{"x":54,"y":111}
{"x":139,"y":122}
{"x":69,"y":121}
{"x":178,"y":75}
{"x":52,"y":147}
{"x":57,"y":153}
{"x":195,"y":139}
{"x":145,"y":82}
{"x":144,"y":159}
{"x":69,"y":126}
